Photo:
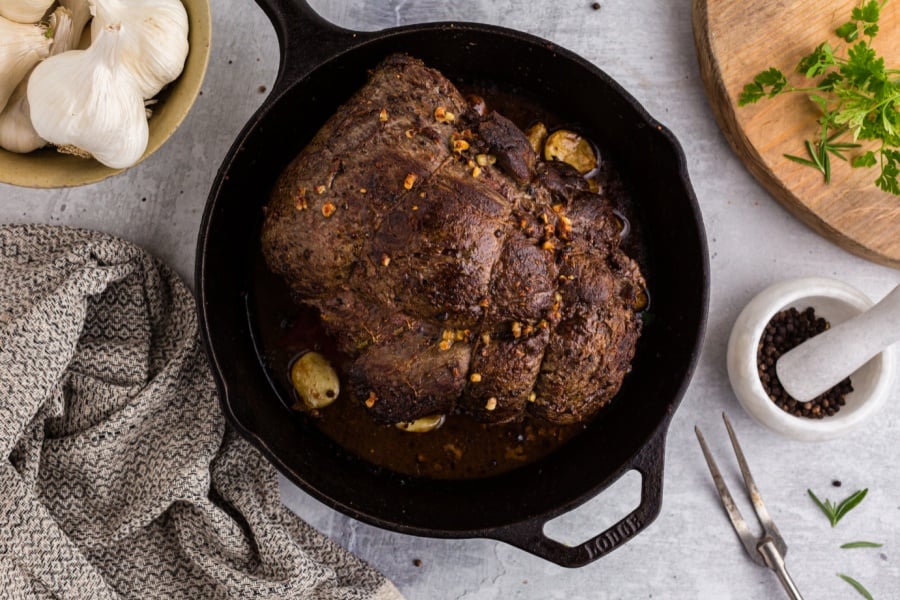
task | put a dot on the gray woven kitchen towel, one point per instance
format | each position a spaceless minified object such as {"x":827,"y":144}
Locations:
{"x":122,"y":480}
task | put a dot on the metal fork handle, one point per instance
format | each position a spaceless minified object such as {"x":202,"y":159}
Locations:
{"x":775,"y":561}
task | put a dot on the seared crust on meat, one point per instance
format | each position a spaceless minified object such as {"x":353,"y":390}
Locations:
{"x":454,"y":268}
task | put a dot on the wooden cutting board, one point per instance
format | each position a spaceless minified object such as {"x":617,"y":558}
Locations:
{"x":737,"y":40}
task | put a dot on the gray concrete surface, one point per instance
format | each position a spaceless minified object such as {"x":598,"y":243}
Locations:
{"x":690,"y":551}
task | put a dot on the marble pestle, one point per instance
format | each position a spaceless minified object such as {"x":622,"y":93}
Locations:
{"x":822,"y":361}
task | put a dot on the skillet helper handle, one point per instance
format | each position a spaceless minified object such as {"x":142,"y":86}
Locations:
{"x":529,"y":536}
{"x":305,"y":39}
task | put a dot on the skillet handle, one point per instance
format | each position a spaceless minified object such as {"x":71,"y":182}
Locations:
{"x":529,"y":535}
{"x":305,"y":39}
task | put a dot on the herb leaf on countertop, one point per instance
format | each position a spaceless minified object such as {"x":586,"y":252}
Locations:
{"x":836,"y":512}
{"x":857,"y":586}
{"x":850,"y":545}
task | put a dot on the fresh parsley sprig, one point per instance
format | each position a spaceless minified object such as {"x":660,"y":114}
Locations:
{"x":857,"y":95}
{"x":836,"y":512}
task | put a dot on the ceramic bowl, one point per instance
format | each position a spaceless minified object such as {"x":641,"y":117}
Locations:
{"x":836,"y":302}
{"x":47,"y":168}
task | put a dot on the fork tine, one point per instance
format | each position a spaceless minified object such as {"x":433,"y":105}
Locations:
{"x":755,"y":498}
{"x":734,"y":514}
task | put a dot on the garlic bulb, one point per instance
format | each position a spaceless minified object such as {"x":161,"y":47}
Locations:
{"x":81,"y":14}
{"x":21,"y":47}
{"x":89,"y":100}
{"x":24,"y":11}
{"x":154,"y":42}
{"x":17,"y":134}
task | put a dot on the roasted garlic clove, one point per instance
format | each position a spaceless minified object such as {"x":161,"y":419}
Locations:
{"x":571,"y":148}
{"x":537,"y":135}
{"x":315,"y":380}
{"x":423,"y":425}
{"x":641,"y":300}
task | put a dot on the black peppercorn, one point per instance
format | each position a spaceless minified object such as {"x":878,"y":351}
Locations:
{"x":786,"y":330}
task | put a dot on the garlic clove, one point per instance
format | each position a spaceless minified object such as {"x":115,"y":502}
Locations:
{"x":88,"y":100}
{"x":66,"y":35}
{"x":154,"y":43}
{"x":81,"y":14}
{"x":17,"y":134}
{"x":24,"y":11}
{"x":21,"y":47}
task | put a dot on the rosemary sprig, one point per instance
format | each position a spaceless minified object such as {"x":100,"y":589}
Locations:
{"x":861,"y":544}
{"x":821,"y":151}
{"x":857,"y":586}
{"x":836,"y":512}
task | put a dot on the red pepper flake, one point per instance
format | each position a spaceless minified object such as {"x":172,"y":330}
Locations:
{"x":328,"y":209}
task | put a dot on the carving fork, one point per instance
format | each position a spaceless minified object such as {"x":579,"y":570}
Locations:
{"x":767,"y":550}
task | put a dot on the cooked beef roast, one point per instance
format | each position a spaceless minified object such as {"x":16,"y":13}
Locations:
{"x":454,"y":268}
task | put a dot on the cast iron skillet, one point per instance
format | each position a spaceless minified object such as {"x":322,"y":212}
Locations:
{"x":321,"y":65}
